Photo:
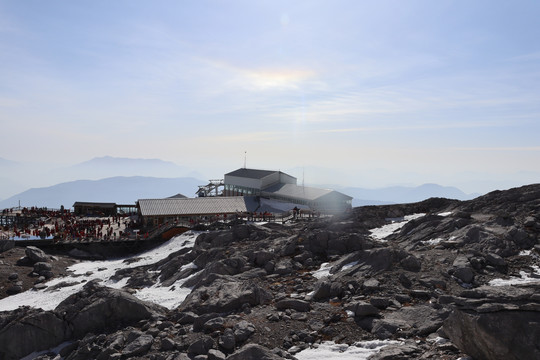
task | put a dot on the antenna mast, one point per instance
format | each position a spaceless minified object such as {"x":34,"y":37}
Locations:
{"x":245,"y":158}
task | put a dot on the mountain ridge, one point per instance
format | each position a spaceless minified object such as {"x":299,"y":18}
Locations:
{"x":128,"y":189}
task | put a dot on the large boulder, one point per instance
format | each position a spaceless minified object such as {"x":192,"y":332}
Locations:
{"x":36,"y":255}
{"x":6,"y":245}
{"x":420,"y":320}
{"x":26,"y":330}
{"x":97,"y":308}
{"x":497,"y":322}
{"x":254,"y":352}
{"x":224,"y":295}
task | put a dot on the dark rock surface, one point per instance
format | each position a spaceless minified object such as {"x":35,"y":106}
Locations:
{"x":254,"y":293}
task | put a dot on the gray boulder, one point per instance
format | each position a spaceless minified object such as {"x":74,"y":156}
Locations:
{"x":96,"y":308}
{"x":362,"y":309}
{"x":201,"y":346}
{"x":139,"y":346}
{"x":224,"y":295}
{"x":411,"y":263}
{"x":254,"y":352}
{"x":243,"y":330}
{"x":463,"y":270}
{"x":295,"y":304}
{"x":417,"y":320}
{"x":6,"y":245}
{"x":25,"y":330}
{"x":36,"y":255}
{"x":497,"y":323}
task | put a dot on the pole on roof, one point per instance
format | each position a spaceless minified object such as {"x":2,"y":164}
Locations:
{"x":245,"y":158}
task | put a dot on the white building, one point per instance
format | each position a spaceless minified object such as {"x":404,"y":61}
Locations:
{"x":276,"y":189}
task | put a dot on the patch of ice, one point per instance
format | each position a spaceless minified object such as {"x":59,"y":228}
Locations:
{"x":447,"y":213}
{"x":332,"y":351}
{"x":323,"y":271}
{"x":386,"y":230}
{"x":90,"y":270}
{"x":525,"y":278}
{"x":525,"y":253}
{"x":433,"y":241}
{"x":55,"y":350}
{"x":349,"y":265}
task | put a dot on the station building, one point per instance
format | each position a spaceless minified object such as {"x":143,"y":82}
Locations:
{"x":245,"y":191}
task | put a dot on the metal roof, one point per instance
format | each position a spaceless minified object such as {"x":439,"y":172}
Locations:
{"x":300,"y":192}
{"x":192,"y":206}
{"x":251,"y":173}
{"x":94,"y":204}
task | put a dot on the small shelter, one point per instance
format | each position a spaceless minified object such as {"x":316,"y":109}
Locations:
{"x":94,"y":209}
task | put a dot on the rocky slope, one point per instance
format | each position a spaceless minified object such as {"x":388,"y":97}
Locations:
{"x":270,"y":291}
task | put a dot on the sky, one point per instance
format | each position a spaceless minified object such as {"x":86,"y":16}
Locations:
{"x":370,"y":93}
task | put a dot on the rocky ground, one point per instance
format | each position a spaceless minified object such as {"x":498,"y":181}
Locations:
{"x":257,"y":292}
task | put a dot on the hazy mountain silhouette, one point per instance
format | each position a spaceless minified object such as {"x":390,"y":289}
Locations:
{"x":403,"y":194}
{"x":128,"y":190}
{"x":125,"y":190}
{"x":108,"y":166}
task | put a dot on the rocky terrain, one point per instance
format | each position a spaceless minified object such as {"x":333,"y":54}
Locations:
{"x":461,"y":279}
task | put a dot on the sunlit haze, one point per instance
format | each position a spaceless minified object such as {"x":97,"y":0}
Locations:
{"x":355,"y":93}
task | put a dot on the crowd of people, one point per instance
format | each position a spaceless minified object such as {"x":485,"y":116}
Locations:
{"x":62,"y":225}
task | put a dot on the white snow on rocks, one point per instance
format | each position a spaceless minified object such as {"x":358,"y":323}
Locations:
{"x":323,"y":271}
{"x":331,"y":351}
{"x":525,"y":278}
{"x":85,"y":271}
{"x":397,"y":223}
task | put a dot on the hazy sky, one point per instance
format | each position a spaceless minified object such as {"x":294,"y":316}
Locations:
{"x":380,"y":91}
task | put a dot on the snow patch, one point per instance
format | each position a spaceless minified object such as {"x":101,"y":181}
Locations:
{"x":395,"y":224}
{"x":447,"y":213}
{"x":85,"y":271}
{"x":324,"y":271}
{"x":525,"y":278}
{"x":331,"y":351}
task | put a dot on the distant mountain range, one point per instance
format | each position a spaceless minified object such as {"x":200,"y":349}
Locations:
{"x":108,"y":166}
{"x":403,"y":194}
{"x":120,"y":190}
{"x":127,"y":190}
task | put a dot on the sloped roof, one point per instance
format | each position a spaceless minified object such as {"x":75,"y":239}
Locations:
{"x":192,"y":206}
{"x":251,"y":173}
{"x":300,"y":192}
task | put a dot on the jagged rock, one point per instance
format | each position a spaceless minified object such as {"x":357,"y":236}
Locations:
{"x":504,"y":323}
{"x":224,"y":295}
{"x":36,"y":255}
{"x":6,"y":245}
{"x":214,"y":324}
{"x":96,"y":308}
{"x":25,"y":330}
{"x":495,"y":260}
{"x":379,"y":302}
{"x":42,"y":267}
{"x":14,"y":289}
{"x":216,"y":355}
{"x":139,"y":346}
{"x":462,"y":269}
{"x":411,"y":321}
{"x":397,"y":352}
{"x":253,"y":352}
{"x":227,"y":341}
{"x":167,"y":344}
{"x":295,"y":304}
{"x":362,"y":309}
{"x":201,"y":346}
{"x":411,"y":263}
{"x":13,"y":276}
{"x":243,"y":330}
